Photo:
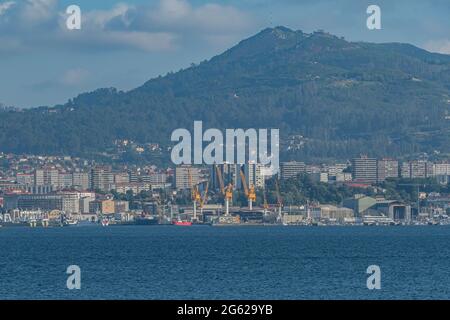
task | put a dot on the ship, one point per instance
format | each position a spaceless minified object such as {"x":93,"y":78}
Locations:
{"x":146,"y":220}
{"x":182,"y":223}
{"x":227,"y":221}
{"x":70,"y":222}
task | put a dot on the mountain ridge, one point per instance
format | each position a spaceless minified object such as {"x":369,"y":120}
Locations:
{"x":343,"y":97}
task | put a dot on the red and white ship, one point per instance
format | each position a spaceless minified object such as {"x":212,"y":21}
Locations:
{"x":182,"y":223}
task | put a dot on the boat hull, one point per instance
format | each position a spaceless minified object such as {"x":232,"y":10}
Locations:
{"x":182,"y":223}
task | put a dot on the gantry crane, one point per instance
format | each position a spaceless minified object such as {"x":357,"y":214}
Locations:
{"x":226,"y":192}
{"x":250,"y":193}
{"x":279,"y":200}
{"x":228,"y":198}
{"x":266,"y":205}
{"x":195,"y":194}
{"x":204,"y":199}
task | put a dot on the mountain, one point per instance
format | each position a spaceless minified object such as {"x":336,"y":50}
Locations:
{"x":343,"y":98}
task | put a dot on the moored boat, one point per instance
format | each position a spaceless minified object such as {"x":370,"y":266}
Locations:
{"x":182,"y":223}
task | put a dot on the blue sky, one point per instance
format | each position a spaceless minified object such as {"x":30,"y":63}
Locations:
{"x":122,"y":44}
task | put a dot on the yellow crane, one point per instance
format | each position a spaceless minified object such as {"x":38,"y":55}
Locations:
{"x":226,"y":192}
{"x":228,"y":198}
{"x":250,"y":193}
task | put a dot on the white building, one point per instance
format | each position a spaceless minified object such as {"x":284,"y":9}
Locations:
{"x":186,"y":176}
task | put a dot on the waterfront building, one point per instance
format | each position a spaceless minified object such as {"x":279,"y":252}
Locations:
{"x":84,"y":204}
{"x":121,"y":206}
{"x":70,"y":202}
{"x":395,"y":210}
{"x":360,"y":204}
{"x":102,"y":206}
{"x":330,"y":212}
{"x":45,"y":202}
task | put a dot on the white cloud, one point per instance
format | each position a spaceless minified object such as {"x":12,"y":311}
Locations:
{"x":210,"y":18}
{"x":4,"y":6}
{"x":172,"y":10}
{"x":74,"y":77}
{"x":439,"y":46}
{"x":41,"y":23}
{"x":37,"y":11}
{"x":98,"y":19}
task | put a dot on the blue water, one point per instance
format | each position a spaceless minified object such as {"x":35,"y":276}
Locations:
{"x":225,"y":263}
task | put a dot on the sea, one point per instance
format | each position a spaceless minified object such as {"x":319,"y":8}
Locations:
{"x":204,"y":262}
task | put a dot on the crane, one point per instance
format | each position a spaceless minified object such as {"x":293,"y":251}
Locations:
{"x":204,"y":199}
{"x":250,"y":193}
{"x":266,"y":205}
{"x":195,"y":194}
{"x":226,"y":192}
{"x":228,"y":198}
{"x":279,"y":200}
{"x":219,"y":176}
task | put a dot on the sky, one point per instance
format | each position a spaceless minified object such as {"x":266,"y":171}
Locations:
{"x":123,"y":44}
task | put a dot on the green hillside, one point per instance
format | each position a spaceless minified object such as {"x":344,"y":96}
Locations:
{"x":344,"y":98}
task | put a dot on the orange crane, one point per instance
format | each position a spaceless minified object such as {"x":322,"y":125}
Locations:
{"x":195,"y":194}
{"x":250,"y":193}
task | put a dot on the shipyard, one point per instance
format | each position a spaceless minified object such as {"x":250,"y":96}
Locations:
{"x":357,"y":193}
